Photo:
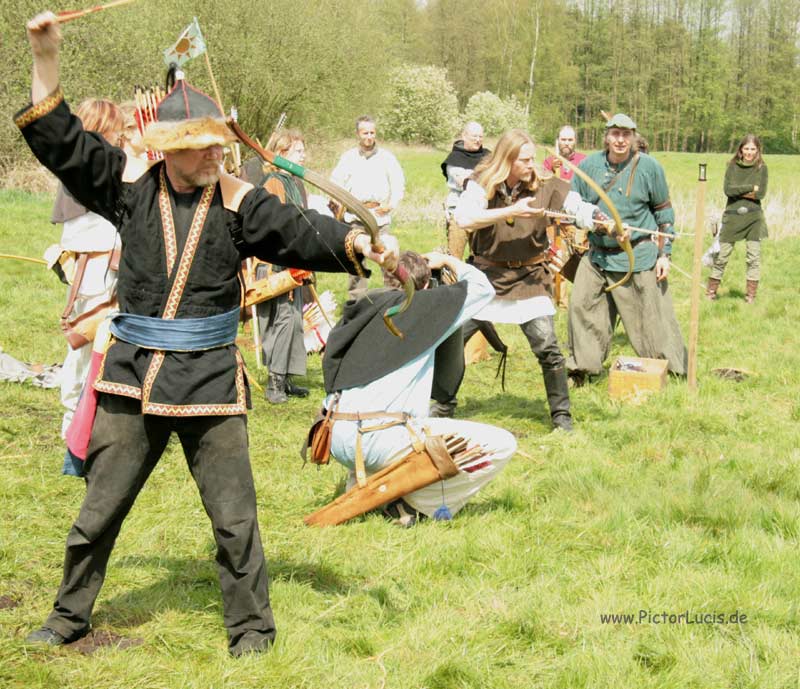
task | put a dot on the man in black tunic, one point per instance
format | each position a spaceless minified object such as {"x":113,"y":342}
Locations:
{"x":172,"y":364}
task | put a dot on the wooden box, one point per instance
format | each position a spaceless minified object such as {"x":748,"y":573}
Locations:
{"x":633,"y":378}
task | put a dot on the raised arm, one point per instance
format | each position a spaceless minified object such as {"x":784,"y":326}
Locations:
{"x":88,"y":166}
{"x":44,"y":35}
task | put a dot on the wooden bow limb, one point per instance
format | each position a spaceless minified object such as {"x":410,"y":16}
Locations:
{"x":69,"y":15}
{"x":14,"y":257}
{"x":345,"y":198}
{"x":618,"y":230}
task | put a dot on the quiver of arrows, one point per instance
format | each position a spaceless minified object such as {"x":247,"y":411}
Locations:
{"x":274,"y":285}
{"x":414,"y":471}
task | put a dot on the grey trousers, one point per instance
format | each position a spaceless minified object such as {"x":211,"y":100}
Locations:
{"x":124,"y":450}
{"x":645,"y":307}
{"x":752,"y":260}
{"x":281,"y":323}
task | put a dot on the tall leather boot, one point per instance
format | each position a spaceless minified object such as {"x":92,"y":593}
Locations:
{"x":555,"y":385}
{"x":276,"y":389}
{"x":752,"y":288}
{"x":711,"y":289}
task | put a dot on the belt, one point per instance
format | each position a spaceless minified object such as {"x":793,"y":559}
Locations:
{"x":618,"y":249}
{"x":397,"y":419}
{"x":536,"y":260}
{"x":741,"y":210}
{"x":177,"y":335}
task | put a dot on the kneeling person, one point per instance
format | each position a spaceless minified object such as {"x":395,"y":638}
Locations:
{"x":379,"y":387}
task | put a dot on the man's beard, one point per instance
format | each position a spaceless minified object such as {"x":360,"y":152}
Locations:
{"x":565,"y":151}
{"x":203,"y":179}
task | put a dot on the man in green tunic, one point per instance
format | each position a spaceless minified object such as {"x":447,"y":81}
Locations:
{"x":636,"y":185}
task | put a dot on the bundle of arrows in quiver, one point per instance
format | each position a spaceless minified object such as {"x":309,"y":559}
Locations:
{"x":467,"y":457}
{"x":317,"y":322}
{"x":147,"y":100}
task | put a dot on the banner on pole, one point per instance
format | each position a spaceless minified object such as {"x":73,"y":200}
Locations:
{"x":189,"y":45}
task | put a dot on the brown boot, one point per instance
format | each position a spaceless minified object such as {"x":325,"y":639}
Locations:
{"x":752,"y":288}
{"x":711,"y":289}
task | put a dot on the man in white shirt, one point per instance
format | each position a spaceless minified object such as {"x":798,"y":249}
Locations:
{"x":373,"y":175}
{"x":375,"y":377}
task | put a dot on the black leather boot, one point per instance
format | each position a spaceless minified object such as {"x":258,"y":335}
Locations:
{"x":555,"y":385}
{"x":276,"y":389}
{"x":295,"y":390}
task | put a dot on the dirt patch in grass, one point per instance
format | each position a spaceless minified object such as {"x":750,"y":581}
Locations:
{"x":8,"y":602}
{"x":101,"y":638}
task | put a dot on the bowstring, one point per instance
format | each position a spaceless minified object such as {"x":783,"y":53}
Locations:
{"x":302,"y":212}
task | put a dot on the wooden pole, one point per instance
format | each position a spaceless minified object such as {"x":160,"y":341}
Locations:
{"x":694,"y":316}
{"x":213,"y":82}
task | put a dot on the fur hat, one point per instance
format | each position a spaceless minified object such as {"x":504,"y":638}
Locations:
{"x":187,"y":118}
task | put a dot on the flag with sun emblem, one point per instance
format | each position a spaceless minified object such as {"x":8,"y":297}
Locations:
{"x":190,"y":44}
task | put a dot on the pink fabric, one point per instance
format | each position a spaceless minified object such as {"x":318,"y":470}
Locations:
{"x":80,"y":428}
{"x":565,"y":172}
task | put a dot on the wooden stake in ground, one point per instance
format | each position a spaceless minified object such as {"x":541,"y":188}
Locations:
{"x":694,"y":317}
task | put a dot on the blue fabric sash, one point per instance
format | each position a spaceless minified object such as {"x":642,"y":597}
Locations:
{"x":178,"y":335}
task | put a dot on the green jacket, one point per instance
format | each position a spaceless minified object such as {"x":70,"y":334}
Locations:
{"x":743,"y":218}
{"x":642,"y":199}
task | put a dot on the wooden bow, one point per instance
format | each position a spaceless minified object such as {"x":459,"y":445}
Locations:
{"x":345,"y":198}
{"x":618,"y":230}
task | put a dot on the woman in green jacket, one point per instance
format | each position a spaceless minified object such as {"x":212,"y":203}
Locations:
{"x":745,"y":187}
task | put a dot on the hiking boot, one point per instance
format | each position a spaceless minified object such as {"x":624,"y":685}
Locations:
{"x":294,"y":390}
{"x":276,"y":389}
{"x":752,"y":288}
{"x":711,"y":289}
{"x":49,"y":637}
{"x":443,"y":410}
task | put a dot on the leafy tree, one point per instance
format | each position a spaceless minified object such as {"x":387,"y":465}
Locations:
{"x":494,"y":113}
{"x":422,"y":105}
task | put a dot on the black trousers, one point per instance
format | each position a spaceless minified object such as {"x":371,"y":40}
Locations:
{"x":541,"y":335}
{"x":124,"y":449}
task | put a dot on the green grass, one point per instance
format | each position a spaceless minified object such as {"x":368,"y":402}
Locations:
{"x":683,"y":503}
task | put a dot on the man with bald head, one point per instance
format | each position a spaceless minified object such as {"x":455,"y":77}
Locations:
{"x":565,"y":143}
{"x":457,"y":168}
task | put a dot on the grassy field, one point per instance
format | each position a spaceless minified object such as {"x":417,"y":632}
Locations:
{"x":683,"y":504}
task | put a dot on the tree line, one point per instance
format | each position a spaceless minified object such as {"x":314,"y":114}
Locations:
{"x":695,"y":74}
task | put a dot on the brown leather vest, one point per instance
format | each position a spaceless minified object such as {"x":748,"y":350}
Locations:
{"x":513,"y":255}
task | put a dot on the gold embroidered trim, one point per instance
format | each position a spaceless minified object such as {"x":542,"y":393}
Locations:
{"x":150,"y":376}
{"x":239,"y":407}
{"x":350,"y":250}
{"x":41,"y":109}
{"x":187,"y":256}
{"x":118,"y":389}
{"x":167,"y":224}
{"x":193,"y":409}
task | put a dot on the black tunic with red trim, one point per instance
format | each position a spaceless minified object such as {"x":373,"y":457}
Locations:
{"x":179,"y":259}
